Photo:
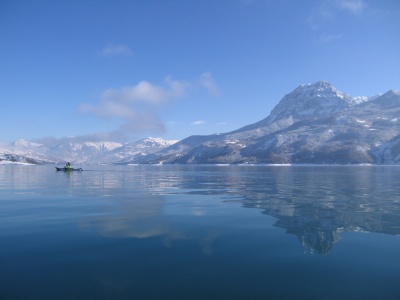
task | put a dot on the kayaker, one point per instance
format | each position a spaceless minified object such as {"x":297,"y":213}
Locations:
{"x":68,"y":166}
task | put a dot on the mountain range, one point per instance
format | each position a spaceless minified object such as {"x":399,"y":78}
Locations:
{"x":81,"y":152}
{"x":314,"y":124}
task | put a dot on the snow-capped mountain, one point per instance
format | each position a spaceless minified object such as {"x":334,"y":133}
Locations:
{"x":106,"y":152}
{"x":23,"y":144}
{"x":132,"y":152}
{"x":315,"y":123}
{"x":29,"y":157}
{"x":23,"y":151}
{"x":82,"y":153}
{"x":312,"y":100}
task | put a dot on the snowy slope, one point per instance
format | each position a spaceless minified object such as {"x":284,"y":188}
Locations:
{"x":26,"y":152}
{"x":315,"y":123}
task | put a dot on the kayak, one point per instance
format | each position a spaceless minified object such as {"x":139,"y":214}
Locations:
{"x":68,"y":170}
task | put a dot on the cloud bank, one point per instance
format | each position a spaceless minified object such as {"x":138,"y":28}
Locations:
{"x":127,"y":102}
{"x":139,"y":106}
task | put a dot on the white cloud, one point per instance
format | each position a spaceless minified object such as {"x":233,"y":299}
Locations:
{"x":125,"y":102}
{"x":115,"y":50}
{"x":207,"y":81}
{"x":142,"y":122}
{"x":320,"y":16}
{"x":354,"y":6}
{"x":196,"y":123}
{"x":139,"y":106}
{"x":327,"y":11}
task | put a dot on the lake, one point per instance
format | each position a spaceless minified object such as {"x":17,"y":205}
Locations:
{"x":200,"y":232}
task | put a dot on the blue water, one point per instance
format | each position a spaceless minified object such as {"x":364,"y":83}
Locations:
{"x":200,"y":232}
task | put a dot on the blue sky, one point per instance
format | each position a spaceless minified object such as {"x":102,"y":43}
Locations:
{"x":124,"y":70}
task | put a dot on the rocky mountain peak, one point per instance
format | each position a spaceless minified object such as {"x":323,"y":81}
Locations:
{"x":316,"y":99}
{"x":319,"y":88}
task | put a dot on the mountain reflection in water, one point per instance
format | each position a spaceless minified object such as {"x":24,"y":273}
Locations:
{"x":315,"y":203}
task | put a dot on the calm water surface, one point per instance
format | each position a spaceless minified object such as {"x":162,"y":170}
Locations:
{"x":200,"y":232}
